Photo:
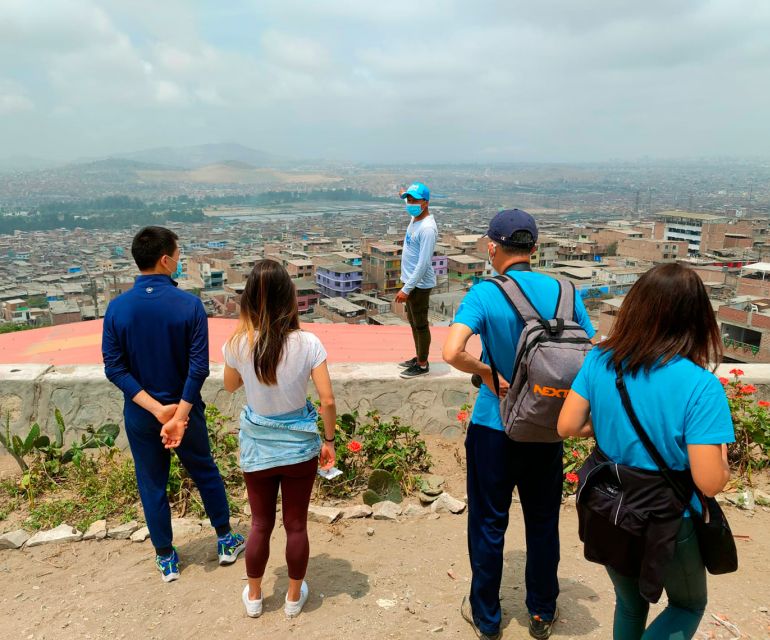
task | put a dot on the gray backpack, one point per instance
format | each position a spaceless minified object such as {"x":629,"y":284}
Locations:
{"x":548,"y":357}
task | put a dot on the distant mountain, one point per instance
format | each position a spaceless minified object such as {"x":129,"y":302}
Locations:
{"x":204,"y":155}
{"x":111,"y":165}
{"x":12,"y":164}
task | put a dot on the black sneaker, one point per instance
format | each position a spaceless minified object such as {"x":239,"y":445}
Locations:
{"x":467,"y":614}
{"x":415,"y":370}
{"x":408,"y":363}
{"x":542,"y":629}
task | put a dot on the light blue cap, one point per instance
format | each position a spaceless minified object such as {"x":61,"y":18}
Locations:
{"x":418,"y":191}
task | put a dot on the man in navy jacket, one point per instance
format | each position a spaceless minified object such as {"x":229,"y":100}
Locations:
{"x":156,"y":351}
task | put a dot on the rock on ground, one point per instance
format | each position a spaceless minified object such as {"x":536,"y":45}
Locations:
{"x":741,"y":499}
{"x":431,"y":485}
{"x":13,"y":539}
{"x":97,"y":531}
{"x":123,"y":531}
{"x":324,"y":515}
{"x":185,"y":527}
{"x":356,"y":511}
{"x":426,"y":499}
{"x":447,"y":504}
{"x":386,"y":510}
{"x":762,"y":498}
{"x":140,"y":535}
{"x":62,"y":533}
{"x":414,"y":511}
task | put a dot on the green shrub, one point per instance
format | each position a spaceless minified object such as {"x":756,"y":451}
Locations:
{"x":375,"y":444}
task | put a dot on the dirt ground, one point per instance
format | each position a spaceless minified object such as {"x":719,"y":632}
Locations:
{"x":404,"y":581}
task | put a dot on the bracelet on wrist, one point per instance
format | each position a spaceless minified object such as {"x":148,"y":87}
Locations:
{"x":329,"y":440}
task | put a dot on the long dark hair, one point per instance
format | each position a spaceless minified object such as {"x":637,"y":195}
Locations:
{"x":269,"y":314}
{"x":666,"y":313}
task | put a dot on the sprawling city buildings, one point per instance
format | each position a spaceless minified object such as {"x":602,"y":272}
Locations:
{"x":345,"y":257}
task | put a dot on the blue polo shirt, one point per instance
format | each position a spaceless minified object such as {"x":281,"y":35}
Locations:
{"x":155,"y":338}
{"x":487,"y":313}
{"x":678,"y":404}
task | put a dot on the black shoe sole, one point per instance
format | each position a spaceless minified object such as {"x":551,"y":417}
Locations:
{"x":417,"y":375}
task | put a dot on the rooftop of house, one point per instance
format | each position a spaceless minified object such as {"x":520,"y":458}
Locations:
{"x":690,"y":215}
{"x":339,"y":267}
{"x":79,"y":343}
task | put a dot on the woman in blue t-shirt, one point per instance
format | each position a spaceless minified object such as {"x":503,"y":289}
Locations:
{"x":665,"y":336}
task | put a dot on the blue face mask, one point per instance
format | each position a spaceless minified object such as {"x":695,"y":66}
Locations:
{"x":414,"y":210}
{"x":178,"y":272}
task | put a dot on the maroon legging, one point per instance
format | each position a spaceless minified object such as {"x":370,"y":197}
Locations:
{"x":296,"y":482}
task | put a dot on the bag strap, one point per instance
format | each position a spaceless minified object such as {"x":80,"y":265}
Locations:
{"x":620,"y":383}
{"x":521,"y":305}
{"x":565,"y":307}
{"x":516,"y":297}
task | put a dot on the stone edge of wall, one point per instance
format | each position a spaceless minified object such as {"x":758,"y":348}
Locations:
{"x":32,"y":392}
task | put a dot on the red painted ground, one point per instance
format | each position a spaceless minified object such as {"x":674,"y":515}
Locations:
{"x":80,"y":343}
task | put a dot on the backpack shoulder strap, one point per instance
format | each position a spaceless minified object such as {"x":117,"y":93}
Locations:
{"x":565,"y":306}
{"x":516,"y":297}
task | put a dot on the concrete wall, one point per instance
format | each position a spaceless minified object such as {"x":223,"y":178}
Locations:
{"x":31,"y":393}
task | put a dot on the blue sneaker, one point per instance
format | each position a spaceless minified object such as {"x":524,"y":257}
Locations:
{"x":168,"y":566}
{"x":229,"y":547}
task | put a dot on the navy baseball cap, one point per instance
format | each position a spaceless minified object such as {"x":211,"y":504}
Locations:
{"x":418,"y":191}
{"x":508,"y":222}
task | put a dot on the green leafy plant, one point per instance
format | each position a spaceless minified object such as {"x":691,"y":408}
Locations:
{"x":42,"y":461}
{"x":751,"y":420}
{"x":382,"y":486}
{"x":224,"y":447}
{"x":19,"y":448}
{"x":576,"y":450}
{"x":376,"y":444}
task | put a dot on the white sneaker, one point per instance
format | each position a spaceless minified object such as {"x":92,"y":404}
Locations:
{"x":253,"y":607}
{"x":293,"y":609}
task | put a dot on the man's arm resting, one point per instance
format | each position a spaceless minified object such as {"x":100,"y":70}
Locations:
{"x":162,"y":412}
{"x":454,"y":354}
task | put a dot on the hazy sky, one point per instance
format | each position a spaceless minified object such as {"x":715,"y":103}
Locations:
{"x":394,"y":80}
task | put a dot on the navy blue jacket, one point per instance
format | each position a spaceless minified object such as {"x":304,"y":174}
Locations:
{"x":156,"y":338}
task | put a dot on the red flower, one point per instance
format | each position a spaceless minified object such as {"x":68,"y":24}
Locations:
{"x":575,"y":454}
{"x":354,"y":446}
{"x":763,"y":403}
{"x":724,"y":381}
{"x":571,"y":478}
{"x":736,"y":372}
{"x":747,"y":389}
{"x":462,"y":416}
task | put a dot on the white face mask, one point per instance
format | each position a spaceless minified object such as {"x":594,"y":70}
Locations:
{"x":490,"y":257}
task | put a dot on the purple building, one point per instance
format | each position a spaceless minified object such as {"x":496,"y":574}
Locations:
{"x":339,"y":280}
{"x":440,"y":265}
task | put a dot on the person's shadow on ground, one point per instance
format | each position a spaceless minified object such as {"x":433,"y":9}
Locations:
{"x":571,"y":594}
{"x":325,"y":575}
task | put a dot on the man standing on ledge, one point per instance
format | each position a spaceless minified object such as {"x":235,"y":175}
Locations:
{"x":417,"y":275}
{"x":155,"y":344}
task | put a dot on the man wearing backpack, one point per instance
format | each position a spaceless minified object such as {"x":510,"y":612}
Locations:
{"x":531,"y":458}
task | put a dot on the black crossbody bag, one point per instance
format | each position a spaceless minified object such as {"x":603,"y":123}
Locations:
{"x":715,"y":539}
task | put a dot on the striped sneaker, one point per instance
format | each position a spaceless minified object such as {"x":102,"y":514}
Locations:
{"x":168,"y":566}
{"x":229,"y":547}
